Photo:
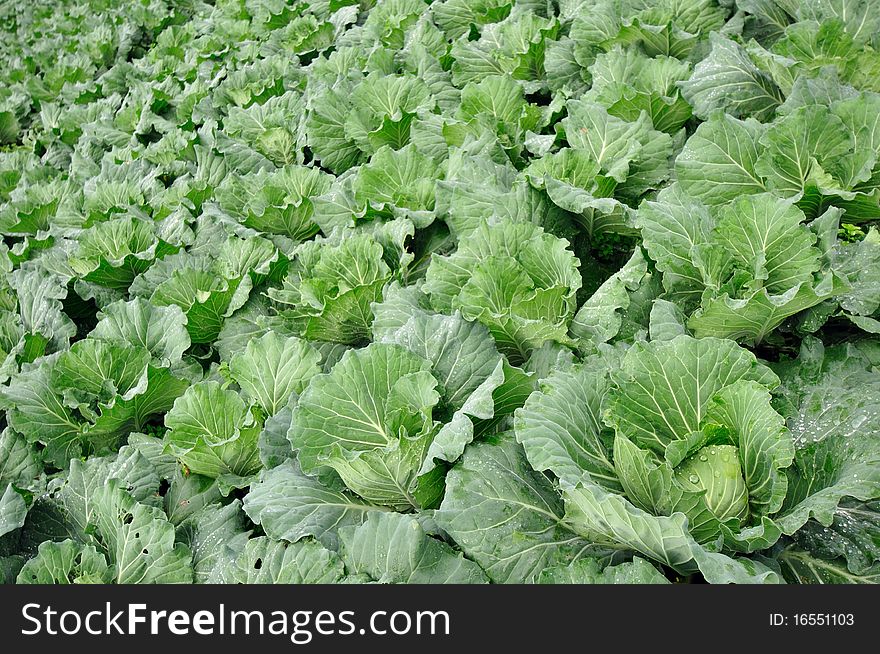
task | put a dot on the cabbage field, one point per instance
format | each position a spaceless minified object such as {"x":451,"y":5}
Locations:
{"x":463,"y":291}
